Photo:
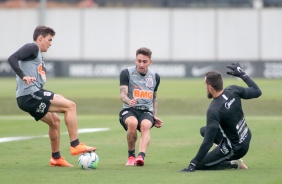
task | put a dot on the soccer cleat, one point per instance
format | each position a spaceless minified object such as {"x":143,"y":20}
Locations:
{"x":130,"y":161}
{"x":61,"y":162}
{"x":81,"y":148}
{"x":186,"y":169}
{"x":240,"y":164}
{"x":190,"y":168}
{"x":139,"y":161}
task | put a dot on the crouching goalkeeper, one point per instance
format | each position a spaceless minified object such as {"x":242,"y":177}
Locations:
{"x":225,"y":123}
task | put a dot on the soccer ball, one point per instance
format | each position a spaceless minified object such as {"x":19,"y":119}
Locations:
{"x":88,"y":160}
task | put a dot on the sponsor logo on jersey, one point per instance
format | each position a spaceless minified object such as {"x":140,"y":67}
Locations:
{"x":42,"y":70}
{"x":149,"y":82}
{"x":137,"y":93}
{"x":228,"y":104}
{"x":41,"y":108}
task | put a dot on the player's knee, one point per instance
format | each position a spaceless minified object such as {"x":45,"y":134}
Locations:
{"x":56,"y":120}
{"x":145,"y":126}
{"x":131,"y":124}
{"x":144,"y":129}
{"x":71,"y":105}
{"x":202,"y":131}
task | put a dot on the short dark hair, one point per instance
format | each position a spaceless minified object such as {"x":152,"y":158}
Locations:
{"x":144,"y":51}
{"x":44,"y":31}
{"x":214,"y":79}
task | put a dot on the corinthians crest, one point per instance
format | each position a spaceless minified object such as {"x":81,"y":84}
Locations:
{"x":149,"y":81}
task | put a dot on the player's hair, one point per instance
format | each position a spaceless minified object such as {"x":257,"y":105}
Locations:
{"x":44,"y":31}
{"x":144,"y":51}
{"x":214,"y":79}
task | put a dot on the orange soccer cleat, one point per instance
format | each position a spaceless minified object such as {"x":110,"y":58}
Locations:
{"x":139,"y":161}
{"x":81,"y":148}
{"x":61,"y":162}
{"x":130,"y":161}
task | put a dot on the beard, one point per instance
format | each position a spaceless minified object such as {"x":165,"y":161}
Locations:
{"x":209,"y":95}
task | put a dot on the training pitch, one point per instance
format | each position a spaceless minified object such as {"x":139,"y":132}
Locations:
{"x":25,"y":153}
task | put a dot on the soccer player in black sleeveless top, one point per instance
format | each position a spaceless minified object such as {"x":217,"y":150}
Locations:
{"x":225,"y":124}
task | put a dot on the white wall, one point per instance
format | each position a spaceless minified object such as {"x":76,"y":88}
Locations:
{"x":172,"y":34}
{"x":104,"y":34}
{"x":193,"y":35}
{"x":67,"y":41}
{"x":16,"y":29}
{"x":237,"y":35}
{"x":271,"y":34}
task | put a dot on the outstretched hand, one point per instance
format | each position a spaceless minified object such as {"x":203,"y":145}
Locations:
{"x":158,"y":122}
{"x":236,"y":70}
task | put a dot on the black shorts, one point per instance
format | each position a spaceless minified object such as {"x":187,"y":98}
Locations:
{"x":138,"y":114}
{"x":36,"y":104}
{"x":223,"y":153}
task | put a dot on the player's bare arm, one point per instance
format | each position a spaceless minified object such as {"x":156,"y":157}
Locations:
{"x":124,"y":98}
{"x":158,"y":121}
{"x":155,"y":103}
{"x":123,"y":94}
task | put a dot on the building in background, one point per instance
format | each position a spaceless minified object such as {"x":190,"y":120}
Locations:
{"x":96,"y":38}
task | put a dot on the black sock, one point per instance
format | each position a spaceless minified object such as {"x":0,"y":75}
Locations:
{"x":131,"y":153}
{"x":74,"y":143}
{"x":56,"y":155}
{"x":141,"y":154}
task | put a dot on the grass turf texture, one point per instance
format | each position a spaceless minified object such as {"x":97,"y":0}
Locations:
{"x":179,"y":97}
{"x":182,"y":106}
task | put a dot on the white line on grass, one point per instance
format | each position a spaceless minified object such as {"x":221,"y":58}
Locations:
{"x":16,"y":117}
{"x":11,"y":118}
{"x":80,"y":131}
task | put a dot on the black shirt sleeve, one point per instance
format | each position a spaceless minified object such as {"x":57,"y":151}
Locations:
{"x":252,"y":91}
{"x":124,"y":77}
{"x":158,"y":80}
{"x":210,"y":134}
{"x":25,"y":53}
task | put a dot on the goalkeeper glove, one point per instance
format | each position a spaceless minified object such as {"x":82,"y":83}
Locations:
{"x":236,"y":70}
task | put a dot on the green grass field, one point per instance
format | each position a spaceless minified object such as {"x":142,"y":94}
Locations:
{"x":182,"y":106}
